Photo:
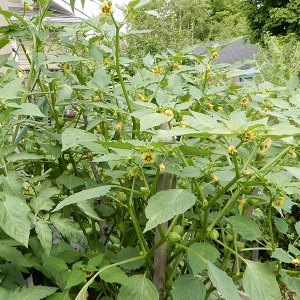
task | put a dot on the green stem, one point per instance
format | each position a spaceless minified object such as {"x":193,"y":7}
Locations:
{"x":135,"y":222}
{"x":154,"y":183}
{"x":82,"y":294}
{"x":230,"y":250}
{"x":270,"y":225}
{"x":120,"y":77}
{"x":195,"y":182}
{"x":224,"y":209}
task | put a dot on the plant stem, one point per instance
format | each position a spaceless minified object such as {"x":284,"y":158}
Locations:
{"x":82,"y":294}
{"x":270,"y":225}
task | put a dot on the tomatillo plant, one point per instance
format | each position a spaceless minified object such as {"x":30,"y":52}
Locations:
{"x":166,"y":182}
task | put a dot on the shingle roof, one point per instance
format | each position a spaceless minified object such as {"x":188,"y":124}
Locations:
{"x":234,"y":52}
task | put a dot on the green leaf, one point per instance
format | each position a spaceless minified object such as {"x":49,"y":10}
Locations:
{"x":60,"y":296}
{"x":44,"y":234}
{"x":126,"y":253}
{"x":294,"y":250}
{"x":70,"y":182}
{"x":11,"y":90}
{"x":148,"y":60}
{"x":294,"y":171}
{"x":14,"y":218}
{"x":11,"y":185}
{"x":297,"y":227}
{"x":115,"y":275}
{"x":139,"y":287}
{"x":42,"y":201}
{"x":151,"y":120}
{"x":55,"y":263}
{"x":188,"y":287}
{"x":28,"y":109}
{"x":63,"y":59}
{"x":101,"y":79}
{"x":3,"y":59}
{"x":87,"y":208}
{"x":259,"y":282}
{"x":64,"y":93}
{"x":76,"y":277}
{"x":13,"y":255}
{"x":4,"y":41}
{"x":94,"y":262}
{"x":281,"y":225}
{"x":69,"y":229}
{"x":73,"y":137}
{"x":223,"y":283}
{"x":199,"y":254}
{"x":83,"y":196}
{"x":166,"y":204}
{"x":23,"y":156}
{"x":153,"y":13}
{"x":293,"y":283}
{"x":36,"y":292}
{"x":282,"y":255}
{"x":246,"y":227}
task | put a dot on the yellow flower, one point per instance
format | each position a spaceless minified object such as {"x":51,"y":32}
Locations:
{"x":184,"y":124}
{"x":241,"y":204}
{"x":265,"y":109}
{"x":209,"y":106}
{"x":220,"y":108}
{"x":120,"y":126}
{"x":247,"y":173}
{"x":29,"y":8}
{"x":266,"y":145}
{"x":89,"y":154}
{"x":20,"y":74}
{"x":106,"y":61}
{"x":169,"y":114}
{"x":162,"y":167}
{"x":106,"y":8}
{"x":249,"y":135}
{"x":296,"y":261}
{"x":157,"y":70}
{"x":141,"y":97}
{"x":67,"y":68}
{"x":148,"y":157}
{"x":132,"y":172}
{"x":214,"y":55}
{"x":98,"y":129}
{"x":96,"y":98}
{"x":207,"y":67}
{"x":279,"y":202}
{"x":244,"y":101}
{"x":214,"y":178}
{"x":177,"y":66}
{"x":1,"y":125}
{"x":293,"y":152}
{"x":27,"y":52}
{"x":231,"y":150}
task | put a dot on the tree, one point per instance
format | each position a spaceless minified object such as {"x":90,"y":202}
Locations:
{"x":184,"y":23}
{"x":276,"y":17}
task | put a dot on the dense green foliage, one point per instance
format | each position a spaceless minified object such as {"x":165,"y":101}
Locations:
{"x":279,"y":59}
{"x":186,"y":22}
{"x":275,"y":17}
{"x":165,"y":182}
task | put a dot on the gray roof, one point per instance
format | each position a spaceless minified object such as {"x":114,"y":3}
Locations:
{"x":234,"y":52}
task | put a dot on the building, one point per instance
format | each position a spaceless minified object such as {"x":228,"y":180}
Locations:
{"x":61,"y":13}
{"x":236,"y":51}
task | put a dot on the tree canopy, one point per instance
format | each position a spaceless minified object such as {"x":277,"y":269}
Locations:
{"x":178,"y":23}
{"x":276,"y":17}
